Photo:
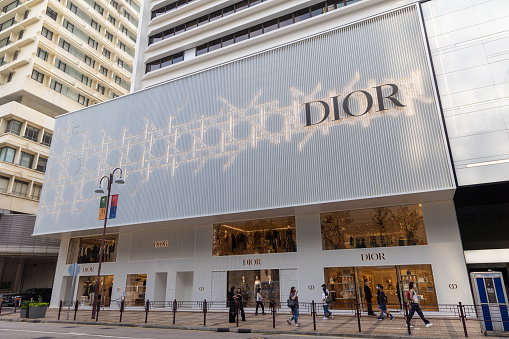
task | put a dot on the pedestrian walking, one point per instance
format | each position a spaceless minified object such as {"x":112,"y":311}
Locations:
{"x":240,"y":303}
{"x":326,"y":299}
{"x":231,"y":305}
{"x":381,"y":299}
{"x":293,"y":303}
{"x":413,"y":301}
{"x":259,"y":301}
{"x":368,"y":296}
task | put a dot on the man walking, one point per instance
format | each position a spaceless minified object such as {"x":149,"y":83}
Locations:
{"x":382,"y":303}
{"x":414,"y":305}
{"x":368,"y":296}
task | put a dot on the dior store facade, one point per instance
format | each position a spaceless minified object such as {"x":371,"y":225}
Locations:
{"x":321,"y":161}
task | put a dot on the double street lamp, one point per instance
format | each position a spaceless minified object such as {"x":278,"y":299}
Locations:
{"x":119,"y":181}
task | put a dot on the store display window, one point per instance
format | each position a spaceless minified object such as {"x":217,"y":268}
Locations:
{"x":346,"y":285}
{"x":136,"y":286}
{"x":86,"y":290}
{"x":373,"y":227}
{"x":87,"y":250}
{"x":249,"y":281}
{"x":255,"y":237}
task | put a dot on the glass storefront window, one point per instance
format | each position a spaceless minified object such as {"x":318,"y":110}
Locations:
{"x":255,"y":237}
{"x":86,"y":290}
{"x":136,"y":286}
{"x":346,"y":285}
{"x":87,"y":250}
{"x":374,"y":227}
{"x":249,"y":281}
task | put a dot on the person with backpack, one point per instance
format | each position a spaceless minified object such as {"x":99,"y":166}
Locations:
{"x":259,"y":301}
{"x":293,"y":303}
{"x":326,"y":299}
{"x":381,"y":299}
{"x":413,"y":302}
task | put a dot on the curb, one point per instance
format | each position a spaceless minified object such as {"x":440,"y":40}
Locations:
{"x":216,"y":329}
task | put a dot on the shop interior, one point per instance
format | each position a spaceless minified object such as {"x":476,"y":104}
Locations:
{"x":346,"y":285}
{"x":87,"y":250}
{"x":250,"y":281}
{"x":135,"y":289}
{"x":255,"y":237}
{"x":86,"y":290}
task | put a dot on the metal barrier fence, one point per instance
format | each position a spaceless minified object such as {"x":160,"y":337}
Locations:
{"x":449,"y":312}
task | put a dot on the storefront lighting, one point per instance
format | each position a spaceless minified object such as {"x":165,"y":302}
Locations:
{"x":495,"y":162}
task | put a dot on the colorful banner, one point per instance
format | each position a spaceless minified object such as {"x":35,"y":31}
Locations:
{"x":102,"y":207}
{"x":113,"y":206}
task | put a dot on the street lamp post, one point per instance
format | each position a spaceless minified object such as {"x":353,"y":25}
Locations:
{"x":101,"y":191}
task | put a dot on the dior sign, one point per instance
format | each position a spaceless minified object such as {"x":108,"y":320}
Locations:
{"x":346,"y":103}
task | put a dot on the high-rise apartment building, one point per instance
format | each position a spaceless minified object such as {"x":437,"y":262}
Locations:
{"x":55,"y":57}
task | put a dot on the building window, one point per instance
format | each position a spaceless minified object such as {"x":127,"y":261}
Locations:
{"x":103,"y":70}
{"x":9,"y":77}
{"x":10,"y":6}
{"x":13,"y":126}
{"x":106,"y":53}
{"x":85,"y":80}
{"x":111,"y":20}
{"x":46,"y":139}
{"x":61,"y":65}
{"x":42,"y":54}
{"x":66,"y":46}
{"x":82,"y":100}
{"x":4,"y":184}
{"x":73,"y":8}
{"x":95,"y":25}
{"x":98,"y":8}
{"x":69,"y":26}
{"x":36,"y":192}
{"x":15,"y":56}
{"x":166,"y":61}
{"x":122,"y":46}
{"x":41,"y":164}
{"x":31,"y":133}
{"x":85,"y":250}
{"x":20,"y":35}
{"x":136,"y":286}
{"x":245,"y":237}
{"x":88,"y":60}
{"x":92,"y":43}
{"x":47,"y":33}
{"x":25,"y":16}
{"x":7,"y":154}
{"x":375,"y":227}
{"x":249,"y":281}
{"x":56,"y":86}
{"x":51,"y":13}
{"x":114,"y":4}
{"x":117,"y":79}
{"x":26,"y":160}
{"x":37,"y":76}
{"x":108,"y":36}
{"x":20,"y":188}
{"x":100,"y":89}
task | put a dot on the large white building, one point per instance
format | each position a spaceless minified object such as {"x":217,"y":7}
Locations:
{"x":275,"y":144}
{"x":55,"y":57}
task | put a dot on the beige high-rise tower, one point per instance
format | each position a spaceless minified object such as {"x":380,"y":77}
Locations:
{"x":55,"y":57}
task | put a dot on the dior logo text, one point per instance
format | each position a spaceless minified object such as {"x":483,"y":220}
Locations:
{"x":372,"y":256}
{"x":161,"y":243}
{"x":346,"y":104}
{"x":251,"y":262}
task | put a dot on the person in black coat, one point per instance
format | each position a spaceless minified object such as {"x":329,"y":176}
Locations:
{"x":231,"y":304}
{"x":368,"y":296}
{"x":240,"y":301}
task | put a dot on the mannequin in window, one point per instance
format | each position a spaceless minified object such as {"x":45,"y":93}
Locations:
{"x":257,"y":283}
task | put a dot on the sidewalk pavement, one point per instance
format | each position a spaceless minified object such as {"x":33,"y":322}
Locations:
{"x":340,"y":325}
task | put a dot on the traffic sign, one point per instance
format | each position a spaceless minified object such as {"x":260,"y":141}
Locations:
{"x":74,"y":270}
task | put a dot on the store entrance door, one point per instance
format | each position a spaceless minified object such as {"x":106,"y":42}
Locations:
{"x":184,"y":287}
{"x":387,"y":276}
{"x":86,"y":290}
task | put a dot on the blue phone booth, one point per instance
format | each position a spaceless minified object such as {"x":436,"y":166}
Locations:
{"x":491,"y":299}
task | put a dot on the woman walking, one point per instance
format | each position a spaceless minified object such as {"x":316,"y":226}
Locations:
{"x":259,"y":300}
{"x":294,"y":301}
{"x":414,"y":305}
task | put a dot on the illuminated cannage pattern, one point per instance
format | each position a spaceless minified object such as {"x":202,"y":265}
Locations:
{"x":255,"y":114}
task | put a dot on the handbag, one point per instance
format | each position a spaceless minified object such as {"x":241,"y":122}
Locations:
{"x":290,"y":303}
{"x":328,"y":300}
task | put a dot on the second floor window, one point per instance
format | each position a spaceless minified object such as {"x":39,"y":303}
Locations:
{"x":31,"y":133}
{"x":26,"y":160}
{"x":7,"y":154}
{"x":13,"y":126}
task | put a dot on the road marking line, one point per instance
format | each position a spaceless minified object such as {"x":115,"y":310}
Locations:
{"x":71,"y":333}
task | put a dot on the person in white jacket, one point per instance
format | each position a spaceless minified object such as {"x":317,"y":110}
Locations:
{"x":326,"y":300}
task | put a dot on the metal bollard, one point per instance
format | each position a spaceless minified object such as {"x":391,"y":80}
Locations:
{"x":60,"y":308}
{"x":205,"y":312}
{"x":358,"y":313}
{"x":75,"y":308}
{"x":15,"y":304}
{"x":147,"y":306}
{"x":407,"y":321}
{"x":237,"y":307}
{"x":1,"y":304}
{"x":174,"y":310}
{"x":122,"y":303}
{"x":463,"y":318}
{"x":313,"y":313}
{"x":273,"y":311}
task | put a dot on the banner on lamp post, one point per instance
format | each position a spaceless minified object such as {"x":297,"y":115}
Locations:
{"x":102,"y":208}
{"x":113,"y":206}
